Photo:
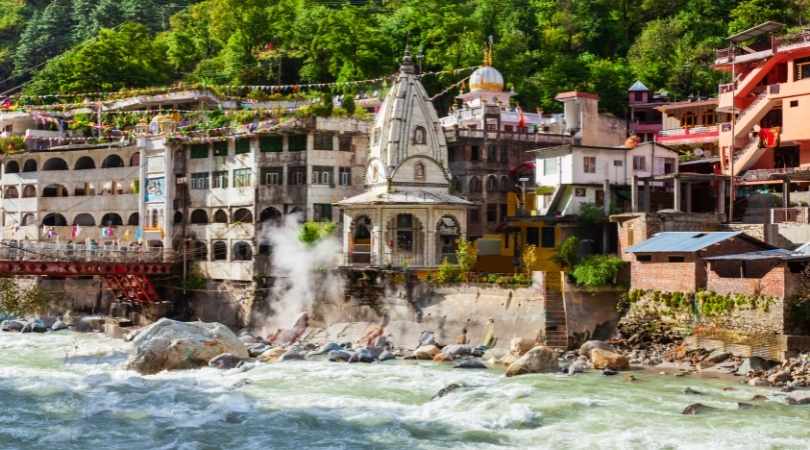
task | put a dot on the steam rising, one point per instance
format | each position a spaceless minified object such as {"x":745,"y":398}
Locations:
{"x":302,"y":273}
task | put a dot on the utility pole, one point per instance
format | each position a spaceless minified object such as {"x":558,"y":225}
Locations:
{"x":733,"y":51}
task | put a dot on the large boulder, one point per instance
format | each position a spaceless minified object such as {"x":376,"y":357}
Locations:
{"x":605,"y":359}
{"x":58,"y":326}
{"x":540,"y":359}
{"x":169,"y":345}
{"x":272,"y":355}
{"x":585,"y":349}
{"x":34,"y":326}
{"x":92,"y":323}
{"x":519,"y":346}
{"x":456,"y":351}
{"x":13,"y":325}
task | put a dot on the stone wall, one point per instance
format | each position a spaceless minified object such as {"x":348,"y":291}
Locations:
{"x":224,"y":301}
{"x":590,"y":313}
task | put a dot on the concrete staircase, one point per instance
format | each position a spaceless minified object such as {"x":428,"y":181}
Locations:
{"x":556,"y":329}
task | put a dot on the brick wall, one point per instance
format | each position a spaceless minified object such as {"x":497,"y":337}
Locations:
{"x":662,"y":275}
{"x":637,"y":227}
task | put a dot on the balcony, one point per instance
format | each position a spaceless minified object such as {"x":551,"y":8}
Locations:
{"x":790,"y":215}
{"x":454,"y":135}
{"x":689,"y":136}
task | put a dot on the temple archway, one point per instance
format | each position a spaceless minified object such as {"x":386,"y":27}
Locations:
{"x":406,"y":237}
{"x":360,"y":247}
{"x":448,"y":231}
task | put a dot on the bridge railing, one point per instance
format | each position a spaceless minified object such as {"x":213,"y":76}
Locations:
{"x":46,"y":251}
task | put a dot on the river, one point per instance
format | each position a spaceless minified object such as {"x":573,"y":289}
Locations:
{"x":70,"y":391}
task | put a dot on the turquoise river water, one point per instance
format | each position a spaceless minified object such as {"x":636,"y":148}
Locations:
{"x":70,"y":391}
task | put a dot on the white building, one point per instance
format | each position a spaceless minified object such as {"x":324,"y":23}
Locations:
{"x":569,"y":176}
{"x":406,"y":216}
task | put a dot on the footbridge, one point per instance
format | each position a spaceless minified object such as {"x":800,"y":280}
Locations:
{"x":126,"y":270}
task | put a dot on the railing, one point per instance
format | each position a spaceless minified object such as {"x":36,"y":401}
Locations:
{"x":544,"y":138}
{"x":790,"y":215}
{"x":765,"y":174}
{"x":46,"y":251}
{"x":728,"y":87}
{"x":683,"y":134}
{"x":800,"y":38}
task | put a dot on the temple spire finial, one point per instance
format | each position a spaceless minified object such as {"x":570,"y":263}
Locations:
{"x":488,"y":52}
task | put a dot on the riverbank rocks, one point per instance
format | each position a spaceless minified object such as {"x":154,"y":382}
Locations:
{"x":58,"y":326}
{"x":425,"y":352}
{"x":89,"y":324}
{"x":469,"y":363}
{"x":798,"y":398}
{"x":540,"y":359}
{"x":169,"y":345}
{"x":753,"y":363}
{"x":695,"y":409}
{"x":520,"y":346}
{"x":339,"y":356}
{"x":34,"y":326}
{"x":225,"y":361}
{"x":585,"y":349}
{"x":12,"y":325}
{"x":605,"y":359}
{"x":272,"y":355}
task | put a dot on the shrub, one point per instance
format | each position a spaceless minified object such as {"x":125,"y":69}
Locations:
{"x":447,"y":273}
{"x":312,"y":232}
{"x":597,"y":270}
{"x":568,"y":252}
{"x":22,"y":302}
{"x":466,"y":255}
{"x":529,"y":258}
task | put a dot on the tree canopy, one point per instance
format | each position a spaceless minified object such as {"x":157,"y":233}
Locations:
{"x":542,"y":47}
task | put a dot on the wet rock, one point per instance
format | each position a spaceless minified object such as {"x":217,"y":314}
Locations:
{"x":579,"y":366}
{"x":90,"y":324}
{"x":447,"y":389}
{"x":609,"y":372}
{"x":441,"y":357}
{"x":13,"y":325}
{"x":585,"y":349}
{"x":752,"y":364}
{"x":325,"y":349}
{"x":520,"y":346}
{"x":169,"y":345}
{"x":759,"y":398}
{"x":385,"y":356}
{"x":363,"y":355}
{"x":540,"y":359}
{"x":272,"y":355}
{"x":798,"y":398}
{"x":470,"y":363}
{"x":293,"y":354}
{"x":225,"y":361}
{"x":689,"y":391}
{"x":249,"y":339}
{"x":602,"y":359}
{"x":758,"y":382}
{"x":508,"y":359}
{"x":340,"y":356}
{"x":790,"y":387}
{"x":58,"y":325}
{"x":257,"y":349}
{"x":780,"y":377}
{"x":743,"y":405}
{"x":729,"y":389}
{"x":425,"y":352}
{"x":695,"y":409}
{"x":34,"y":326}
{"x":718,"y":356}
{"x":234,"y":417}
{"x":630,"y":377}
{"x":456,"y":351}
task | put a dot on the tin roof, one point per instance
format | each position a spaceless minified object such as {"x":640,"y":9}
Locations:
{"x":773,"y":254}
{"x":638,"y":86}
{"x":687,"y":241}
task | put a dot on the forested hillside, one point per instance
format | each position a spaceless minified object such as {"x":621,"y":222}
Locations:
{"x":541,"y":46}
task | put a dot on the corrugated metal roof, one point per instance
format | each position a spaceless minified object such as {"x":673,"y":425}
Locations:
{"x":777,"y":254}
{"x":681,"y":241}
{"x":638,"y":86}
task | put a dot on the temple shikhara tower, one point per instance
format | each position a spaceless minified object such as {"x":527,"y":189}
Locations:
{"x":406,"y":216}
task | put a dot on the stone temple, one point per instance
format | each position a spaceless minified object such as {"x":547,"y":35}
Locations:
{"x":407,"y":216}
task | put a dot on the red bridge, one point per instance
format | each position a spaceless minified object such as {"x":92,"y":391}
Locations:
{"x":125,"y":272}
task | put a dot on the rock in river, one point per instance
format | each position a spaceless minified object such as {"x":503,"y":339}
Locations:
{"x":12,"y":325}
{"x":224,"y":361}
{"x":695,"y":409}
{"x":605,"y":359}
{"x":168,"y":345}
{"x":469,"y":363}
{"x":585,"y":349}
{"x":540,"y":359}
{"x":426,"y":352}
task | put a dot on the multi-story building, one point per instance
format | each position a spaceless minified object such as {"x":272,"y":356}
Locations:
{"x":643,"y":118}
{"x":488,"y":142}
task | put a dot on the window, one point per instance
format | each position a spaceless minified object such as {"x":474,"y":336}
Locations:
{"x":242,"y":146}
{"x":297,"y":175}
{"x":492,"y":213}
{"x":419,"y":136}
{"x":618,"y":163}
{"x":532,"y":236}
{"x":273,"y":176}
{"x":547,"y":237}
{"x":676,"y":259}
{"x":638,"y":96}
{"x":508,"y":128}
{"x":492,"y":152}
{"x":199,"y":151}
{"x":502,"y":208}
{"x":221,"y":148}
{"x":475,"y":215}
{"x":219,"y":179}
{"x":709,"y":118}
{"x":794,"y":103}
{"x":550,"y":166}
{"x":297,"y":142}
{"x":475,"y":153}
{"x":802,"y":68}
{"x":345,"y":142}
{"x":321,"y":175}
{"x":271,"y":143}
{"x":689,"y":119}
{"x":451,"y":154}
{"x":241,"y":178}
{"x":322,"y":212}
{"x":644,"y":258}
{"x":345,"y":174}
{"x":669,"y":165}
{"x":579,"y":192}
{"x":324,"y":141}
{"x":419,"y":171}
{"x":589,"y":164}
{"x":639,"y":163}
{"x":504,"y":154}
{"x":200,"y":180}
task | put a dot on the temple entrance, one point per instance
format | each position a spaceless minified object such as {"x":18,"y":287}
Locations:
{"x":406,"y":240}
{"x":360,"y":245}
{"x":447,"y":234}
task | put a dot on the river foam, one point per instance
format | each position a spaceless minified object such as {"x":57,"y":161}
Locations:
{"x":71,"y":391}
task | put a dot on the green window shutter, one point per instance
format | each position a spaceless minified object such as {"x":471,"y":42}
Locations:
{"x":242,"y":146}
{"x":271,"y":143}
{"x":199,"y":151}
{"x":221,"y":148}
{"x":297,"y":142}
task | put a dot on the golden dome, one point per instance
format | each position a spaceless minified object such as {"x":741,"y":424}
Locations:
{"x":486,"y":78}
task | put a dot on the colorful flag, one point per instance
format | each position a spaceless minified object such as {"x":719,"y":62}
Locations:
{"x":521,"y":117}
{"x":74,"y":233}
